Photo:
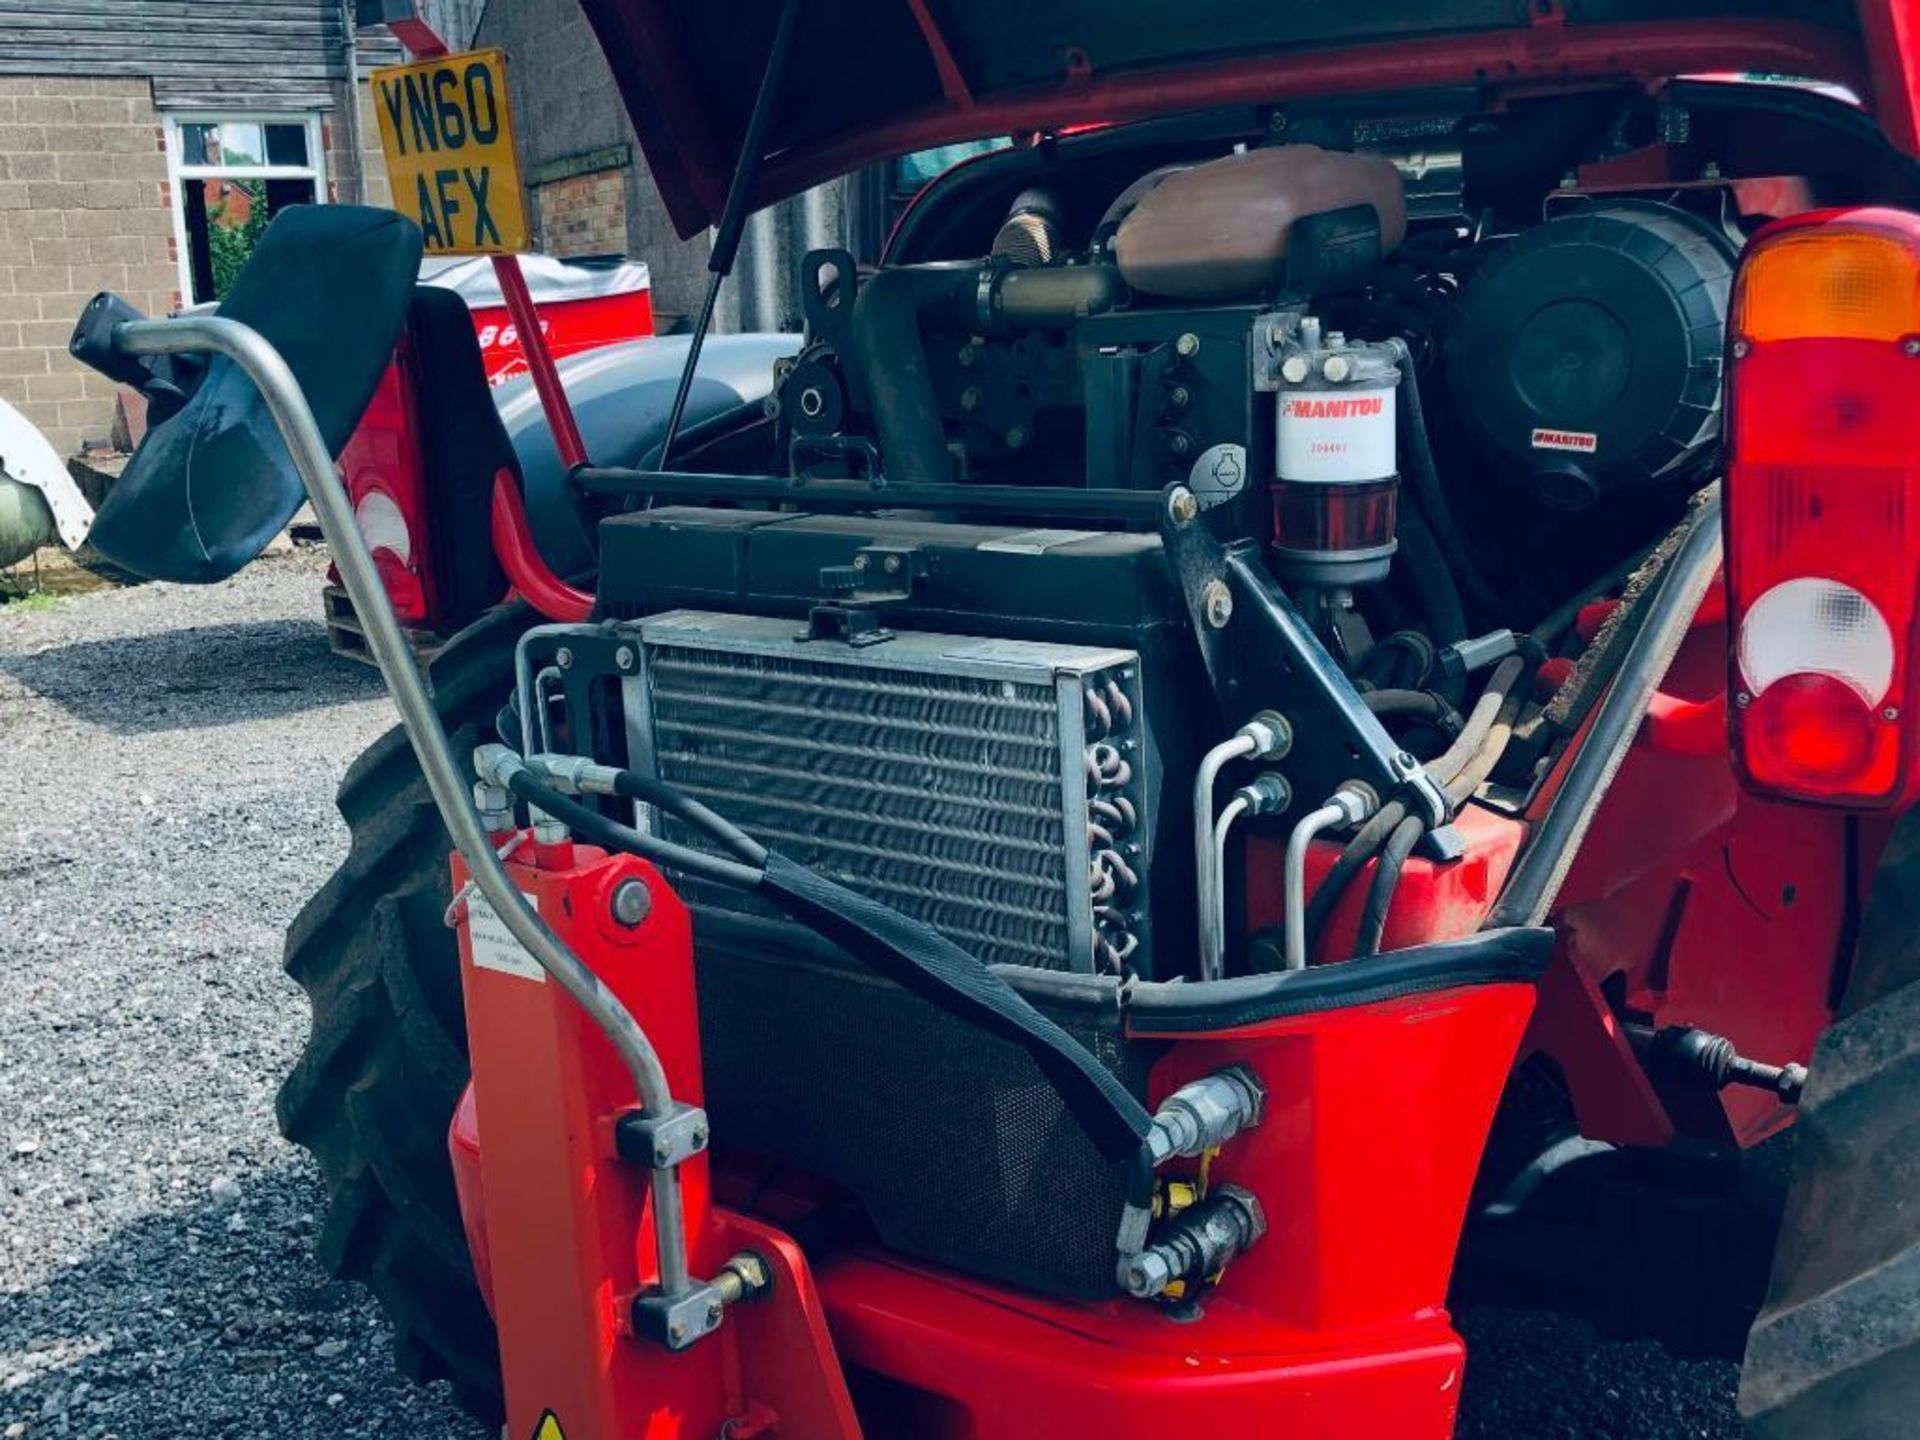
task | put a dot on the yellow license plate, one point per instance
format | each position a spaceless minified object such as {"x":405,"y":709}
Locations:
{"x":447,"y":129}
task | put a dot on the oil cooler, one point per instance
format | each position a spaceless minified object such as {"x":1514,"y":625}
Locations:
{"x":997,"y":790}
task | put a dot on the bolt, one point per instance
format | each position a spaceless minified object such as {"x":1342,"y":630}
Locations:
{"x":860,"y":562}
{"x":1016,"y":437}
{"x":1179,"y":396}
{"x":967,"y":355}
{"x":699,"y":1137}
{"x":1188,"y":345}
{"x":1181,"y":506}
{"x":1892,"y":712}
{"x":713,"y":1313}
{"x":563,"y":657}
{"x":1148,"y":1274}
{"x":1910,"y":345}
{"x":625,"y":658}
{"x":1742,"y":699}
{"x":1179,"y":442}
{"x":1294,"y":369}
{"x":891,"y":565}
{"x":632,"y":902}
{"x":1337,"y":368}
{"x":1216,"y":603}
{"x":1740,"y":349}
{"x":677,"y":1331}
{"x":970,"y":398}
{"x":662,"y":1152}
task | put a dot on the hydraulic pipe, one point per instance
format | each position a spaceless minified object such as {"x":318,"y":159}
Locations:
{"x":1347,"y":806}
{"x":1267,"y":735}
{"x":449,"y":787}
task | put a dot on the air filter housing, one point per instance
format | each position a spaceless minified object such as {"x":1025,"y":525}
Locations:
{"x":1586,"y":353}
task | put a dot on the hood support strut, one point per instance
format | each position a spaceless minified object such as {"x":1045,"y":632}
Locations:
{"x":733,"y":219}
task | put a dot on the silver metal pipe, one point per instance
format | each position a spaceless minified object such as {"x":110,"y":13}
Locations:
{"x":523,"y":679}
{"x":1237,"y":747}
{"x":1345,"y":807}
{"x":1215,"y":897}
{"x":1530,"y":893}
{"x":264,"y":365}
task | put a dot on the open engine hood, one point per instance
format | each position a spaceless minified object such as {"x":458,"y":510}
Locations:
{"x":869,"y":79}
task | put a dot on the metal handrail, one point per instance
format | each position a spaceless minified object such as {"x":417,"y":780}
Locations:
{"x":291,"y":414}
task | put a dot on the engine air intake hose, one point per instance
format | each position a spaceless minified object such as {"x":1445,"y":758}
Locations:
{"x":890,"y":316}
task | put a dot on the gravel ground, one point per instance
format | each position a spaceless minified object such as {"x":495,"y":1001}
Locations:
{"x":167,"y":765}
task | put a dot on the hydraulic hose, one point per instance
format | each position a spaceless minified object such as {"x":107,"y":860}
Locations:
{"x":1482,"y":733}
{"x":612,"y":835}
{"x":1386,"y":881}
{"x":1428,"y":495}
{"x":1412,"y":704}
{"x":635,"y":786}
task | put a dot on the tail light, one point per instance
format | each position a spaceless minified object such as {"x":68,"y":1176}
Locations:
{"x":385,"y":478}
{"x":1823,"y":508}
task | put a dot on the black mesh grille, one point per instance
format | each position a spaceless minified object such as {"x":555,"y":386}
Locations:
{"x":959,"y":1151}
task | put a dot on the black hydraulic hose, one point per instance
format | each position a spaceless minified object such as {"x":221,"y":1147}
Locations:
{"x":644,"y":788}
{"x":1429,"y":496}
{"x":1425,"y":565}
{"x":591,"y":825}
{"x":1420,"y":704}
{"x":1386,"y":881}
{"x":1364,"y":845}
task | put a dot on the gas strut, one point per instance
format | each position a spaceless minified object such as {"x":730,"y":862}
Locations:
{"x":733,"y":216}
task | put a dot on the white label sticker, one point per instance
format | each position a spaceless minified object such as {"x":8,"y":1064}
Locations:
{"x":494,"y":947}
{"x":1336,"y":436}
{"x":1577,"y":440}
{"x":1218,"y":475}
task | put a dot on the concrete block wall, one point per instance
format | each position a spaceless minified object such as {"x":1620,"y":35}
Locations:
{"x":84,"y":207}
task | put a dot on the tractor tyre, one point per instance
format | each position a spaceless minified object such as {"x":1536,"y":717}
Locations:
{"x":374,"y":1091}
{"x":1835,"y":1352}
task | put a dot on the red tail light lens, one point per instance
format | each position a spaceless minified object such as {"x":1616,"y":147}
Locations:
{"x":385,"y":479}
{"x":1823,"y":507}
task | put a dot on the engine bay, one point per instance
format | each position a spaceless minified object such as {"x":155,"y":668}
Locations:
{"x":1328,"y":426}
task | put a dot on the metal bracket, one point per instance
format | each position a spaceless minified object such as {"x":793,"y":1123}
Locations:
{"x":1260,"y":653}
{"x":678,"y":1320}
{"x":662,"y":1141}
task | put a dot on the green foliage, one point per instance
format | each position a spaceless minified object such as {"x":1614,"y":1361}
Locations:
{"x":230,"y":239}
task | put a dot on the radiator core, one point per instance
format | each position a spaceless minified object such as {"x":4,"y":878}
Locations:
{"x":993,"y":789}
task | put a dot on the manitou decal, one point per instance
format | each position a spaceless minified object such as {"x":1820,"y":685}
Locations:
{"x":1315,"y":407}
{"x":1579,"y":441}
{"x":447,"y":130}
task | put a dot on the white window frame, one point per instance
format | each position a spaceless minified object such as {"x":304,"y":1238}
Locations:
{"x":180,"y":174}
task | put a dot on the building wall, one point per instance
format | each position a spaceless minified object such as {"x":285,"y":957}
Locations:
{"x":84,"y":207}
{"x":578,"y":152}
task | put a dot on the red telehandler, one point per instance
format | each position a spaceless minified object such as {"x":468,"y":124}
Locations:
{"x":1321,"y":661}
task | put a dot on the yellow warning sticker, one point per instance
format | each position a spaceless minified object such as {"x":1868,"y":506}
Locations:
{"x":549,"y":1428}
{"x":447,"y":131}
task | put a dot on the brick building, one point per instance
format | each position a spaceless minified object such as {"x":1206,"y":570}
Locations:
{"x":587,"y":184}
{"x":142,"y":145}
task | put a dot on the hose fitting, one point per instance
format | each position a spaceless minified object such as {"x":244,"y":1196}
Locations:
{"x":1206,"y":1113}
{"x":1199,"y":1242}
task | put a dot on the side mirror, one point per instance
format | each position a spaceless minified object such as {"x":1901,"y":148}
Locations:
{"x":212,"y":482}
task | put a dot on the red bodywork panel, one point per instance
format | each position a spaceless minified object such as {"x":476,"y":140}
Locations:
{"x":563,"y":1228}
{"x":1332,"y":1325}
